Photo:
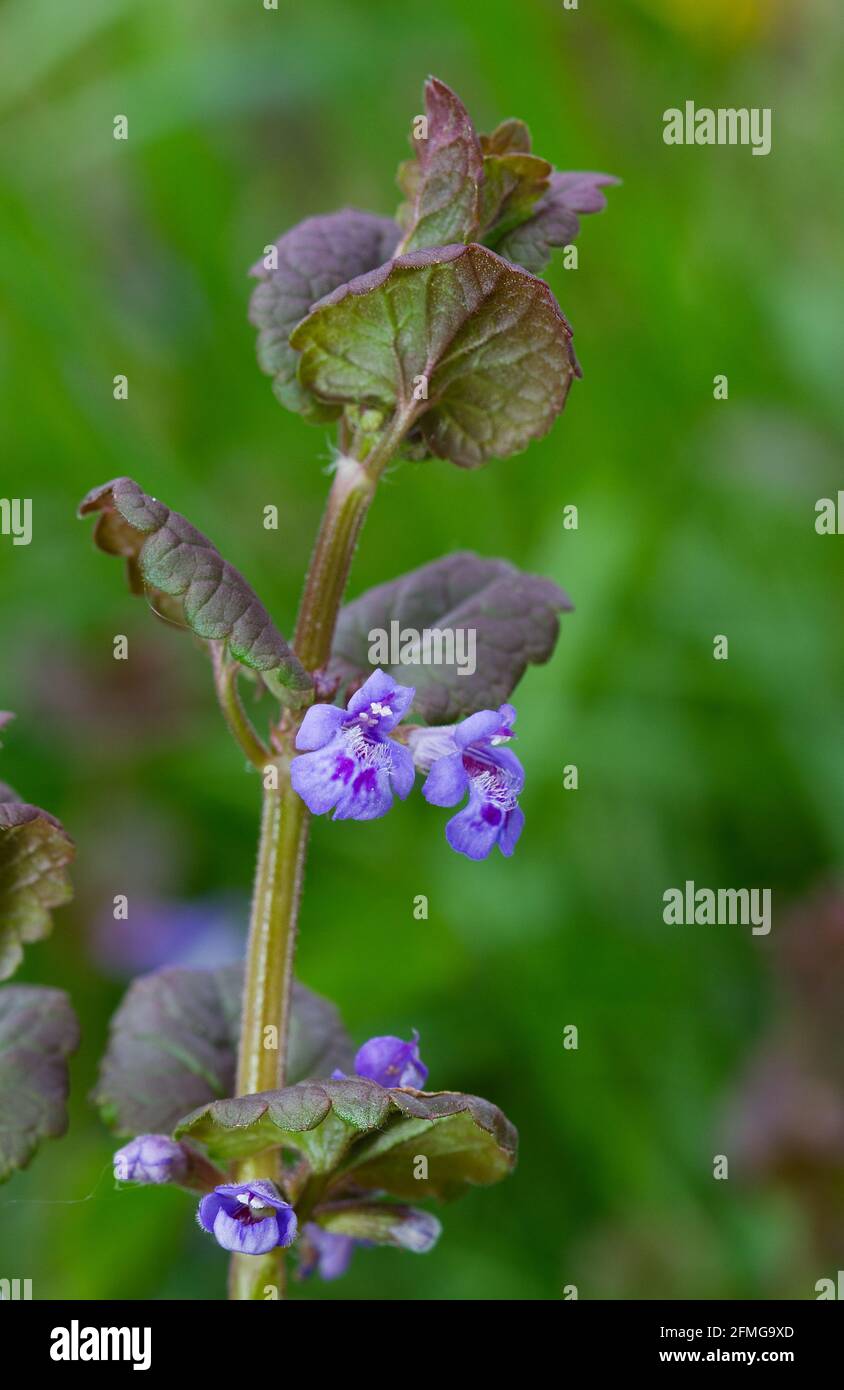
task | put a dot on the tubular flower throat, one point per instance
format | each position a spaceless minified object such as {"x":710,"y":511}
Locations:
{"x":472,"y":757}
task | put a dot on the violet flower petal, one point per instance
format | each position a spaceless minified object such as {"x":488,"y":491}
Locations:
{"x":447,"y":782}
{"x":392,"y":1062}
{"x":249,"y":1238}
{"x":475,"y":830}
{"x":403,"y":773}
{"x":513,"y":826}
{"x":318,"y":727}
{"x":381,"y":689}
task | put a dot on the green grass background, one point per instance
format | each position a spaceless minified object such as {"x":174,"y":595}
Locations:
{"x":696,"y":519}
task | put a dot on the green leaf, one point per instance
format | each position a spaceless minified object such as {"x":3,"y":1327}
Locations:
{"x":466,"y":1141}
{"x":365,"y":1135}
{"x":308,"y":262}
{"x":318,"y":1120}
{"x":188,"y":581}
{"x":442,"y":182}
{"x":513,"y":616}
{"x":513,"y":185}
{"x":509,"y":137}
{"x":35,"y":850}
{"x":38,"y":1032}
{"x":382,"y":1223}
{"x":173,"y":1045}
{"x":485,"y":340}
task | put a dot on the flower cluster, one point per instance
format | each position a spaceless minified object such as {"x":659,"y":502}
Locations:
{"x":349,"y":761}
{"x":252,"y":1218}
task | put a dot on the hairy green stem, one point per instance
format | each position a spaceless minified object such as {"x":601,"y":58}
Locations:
{"x":275,"y":904}
{"x":284,"y":831}
{"x":267,"y":994}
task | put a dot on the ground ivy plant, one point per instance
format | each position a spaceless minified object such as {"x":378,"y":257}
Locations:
{"x":426,"y":337}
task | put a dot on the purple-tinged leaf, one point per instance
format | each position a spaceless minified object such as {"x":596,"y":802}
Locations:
{"x":513,"y":616}
{"x":310,"y":260}
{"x":442,"y":183}
{"x":188,"y":581}
{"x":173,"y":1045}
{"x":38,"y":1032}
{"x":35,"y":850}
{"x":364,"y":1136}
{"x":555,"y":220}
{"x":513,"y":185}
{"x":465,"y":347}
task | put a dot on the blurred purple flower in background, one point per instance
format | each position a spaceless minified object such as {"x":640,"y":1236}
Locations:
{"x":205,"y":933}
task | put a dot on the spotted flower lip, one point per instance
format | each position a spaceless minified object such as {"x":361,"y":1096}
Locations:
{"x":472,"y":757}
{"x":250,"y":1218}
{"x":348,"y":761}
{"x":151,"y":1158}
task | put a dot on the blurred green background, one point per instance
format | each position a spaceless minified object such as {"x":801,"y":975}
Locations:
{"x":696,"y":519}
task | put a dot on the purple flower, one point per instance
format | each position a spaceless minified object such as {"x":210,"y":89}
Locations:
{"x":471,"y":758}
{"x":348,"y":760}
{"x":392,"y":1062}
{"x":328,"y":1254}
{"x":251,"y":1218}
{"x":201,"y":935}
{"x":151,"y":1158}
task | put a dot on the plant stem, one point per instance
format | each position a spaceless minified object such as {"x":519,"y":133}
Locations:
{"x":284,"y":828}
{"x":348,"y":502}
{"x":225,"y":681}
{"x":272,"y":936}
{"x":266,"y":998}
{"x":353,"y":489}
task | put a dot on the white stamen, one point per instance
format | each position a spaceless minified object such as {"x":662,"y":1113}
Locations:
{"x":496,"y":788}
{"x":369,"y":752}
{"x":256,"y":1203}
{"x":243,"y":1197}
